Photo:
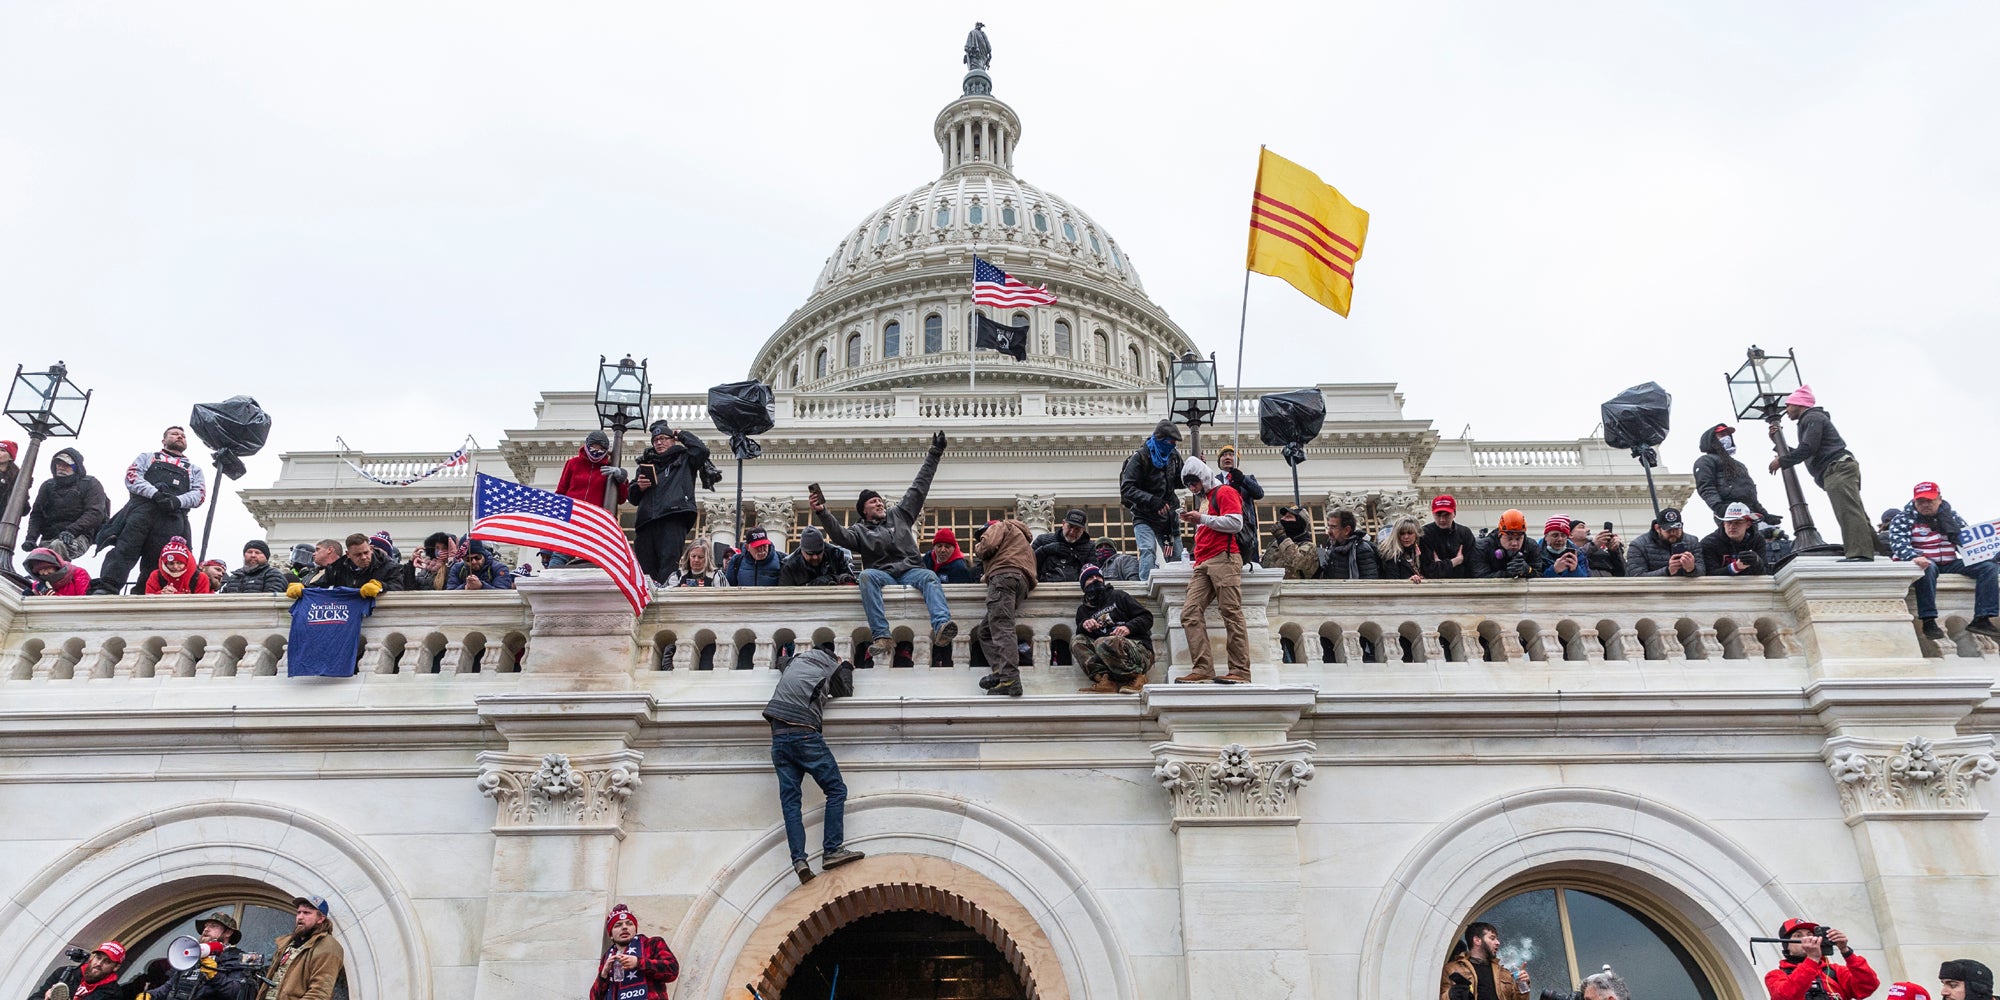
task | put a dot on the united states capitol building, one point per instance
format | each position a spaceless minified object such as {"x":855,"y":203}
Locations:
{"x":1640,"y":772}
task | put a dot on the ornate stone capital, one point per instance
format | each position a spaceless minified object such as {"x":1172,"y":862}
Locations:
{"x":774,"y":515}
{"x":1232,"y":785}
{"x":555,"y":793}
{"x":718,"y":517}
{"x":1398,"y":503}
{"x":1036,"y":510}
{"x":1881,"y":779}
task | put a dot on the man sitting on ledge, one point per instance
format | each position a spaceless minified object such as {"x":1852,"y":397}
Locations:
{"x":886,"y":540}
{"x":1925,"y":532}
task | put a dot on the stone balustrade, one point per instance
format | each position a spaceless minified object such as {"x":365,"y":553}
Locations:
{"x":718,"y":644}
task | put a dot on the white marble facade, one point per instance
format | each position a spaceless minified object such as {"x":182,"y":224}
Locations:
{"x":1728,"y":752}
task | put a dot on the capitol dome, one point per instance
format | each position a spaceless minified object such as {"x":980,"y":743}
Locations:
{"x":892,"y":306}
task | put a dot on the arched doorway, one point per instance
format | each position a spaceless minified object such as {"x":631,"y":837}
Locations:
{"x":1567,"y":925}
{"x":905,"y":955}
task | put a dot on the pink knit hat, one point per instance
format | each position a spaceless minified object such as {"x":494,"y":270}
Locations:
{"x":1801,"y":397}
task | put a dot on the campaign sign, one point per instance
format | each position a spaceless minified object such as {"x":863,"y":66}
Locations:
{"x":1979,"y":542}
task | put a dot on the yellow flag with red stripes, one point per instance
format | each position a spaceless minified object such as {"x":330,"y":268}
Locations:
{"x":1304,"y":231}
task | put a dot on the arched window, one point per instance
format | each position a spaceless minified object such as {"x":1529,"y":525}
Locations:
{"x":854,"y":350}
{"x":1095,"y":247}
{"x":819,"y":364}
{"x":1062,"y":338}
{"x":910,"y":222}
{"x":1069,"y":231}
{"x":1131,"y":359}
{"x":1008,"y":217}
{"x":892,"y":339}
{"x":793,"y":382}
{"x":1161,"y":371}
{"x":943,"y":219}
{"x":975,"y":214}
{"x":882,"y":233}
{"x":933,"y":334}
{"x":1102,"y":344}
{"x":260,"y":917}
{"x":1117,"y":261}
{"x":1041,"y":222}
{"x":1564,"y":933}
{"x":1018,"y":319}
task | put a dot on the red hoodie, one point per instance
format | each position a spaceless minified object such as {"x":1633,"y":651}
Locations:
{"x":70,"y":579}
{"x":581,"y":480}
{"x":191,"y":581}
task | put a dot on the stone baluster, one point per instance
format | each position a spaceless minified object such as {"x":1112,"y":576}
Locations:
{"x":1038,"y":642}
{"x":725,"y":653}
{"x":97,"y":661}
{"x":211,"y":658}
{"x":766,"y":655}
{"x":1593,"y":647}
{"x":258,"y":661}
{"x":1711,"y":646}
{"x":1433,"y":646}
{"x":686,"y":654}
{"x":1350,"y":648}
{"x":1511,"y":649}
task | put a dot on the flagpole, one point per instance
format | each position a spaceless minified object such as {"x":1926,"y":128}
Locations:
{"x":972,"y":326}
{"x":1243,"y":324}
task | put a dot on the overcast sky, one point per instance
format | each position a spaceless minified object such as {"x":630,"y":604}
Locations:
{"x":399,"y":222}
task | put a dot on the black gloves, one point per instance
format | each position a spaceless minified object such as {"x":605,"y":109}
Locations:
{"x":938,"y":442}
{"x":1461,"y":987}
{"x":170,"y":504}
{"x":1517,"y":565}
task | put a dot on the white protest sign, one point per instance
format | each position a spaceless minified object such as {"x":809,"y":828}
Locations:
{"x":1979,"y":542}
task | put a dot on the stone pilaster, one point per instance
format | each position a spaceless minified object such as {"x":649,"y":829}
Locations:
{"x":718,"y":517}
{"x":560,"y":790}
{"x":1853,"y":619}
{"x":1232,"y":776}
{"x":776,"y":515}
{"x":1916,"y":818}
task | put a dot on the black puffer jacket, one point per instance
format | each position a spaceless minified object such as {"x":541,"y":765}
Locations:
{"x":1353,"y":559}
{"x":1144,"y":489}
{"x":672,"y":473}
{"x":74,"y":503}
{"x":1059,"y":560}
{"x":1720,"y":479}
{"x":1496,"y":563}
{"x":265,"y":579}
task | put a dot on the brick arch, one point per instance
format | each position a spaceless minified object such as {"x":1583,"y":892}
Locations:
{"x":949,"y":892}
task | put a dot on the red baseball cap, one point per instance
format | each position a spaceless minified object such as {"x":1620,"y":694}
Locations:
{"x":1908,"y":991}
{"x":113,"y":951}
{"x":1443,"y":501}
{"x":1926,"y":491}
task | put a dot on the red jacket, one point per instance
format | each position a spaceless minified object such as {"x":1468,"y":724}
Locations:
{"x":657,"y":968}
{"x":581,"y":480}
{"x":1852,"y":981}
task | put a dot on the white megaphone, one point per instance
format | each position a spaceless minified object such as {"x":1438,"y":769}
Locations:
{"x":185,"y":952}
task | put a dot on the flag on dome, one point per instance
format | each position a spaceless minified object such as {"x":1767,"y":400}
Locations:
{"x":1304,"y":231}
{"x":1009,"y":340}
{"x":994,"y":287}
{"x":523,"y":515}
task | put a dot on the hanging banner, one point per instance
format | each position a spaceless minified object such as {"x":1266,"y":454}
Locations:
{"x":457,"y":458}
{"x":1980,"y":542}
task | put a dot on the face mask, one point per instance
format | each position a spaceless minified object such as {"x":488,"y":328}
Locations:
{"x":1096,"y":591}
{"x":1728,"y":442}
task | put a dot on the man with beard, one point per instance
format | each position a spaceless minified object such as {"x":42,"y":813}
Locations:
{"x":257,"y":576}
{"x":1247,"y":488}
{"x":1061,"y":554}
{"x":306,"y":962}
{"x":218,"y":935}
{"x":1965,"y":979}
{"x":635,"y":967}
{"x":69,"y":508}
{"x":1476,"y":972}
{"x":479,"y":570}
{"x":162,"y":486}
{"x":96,"y":976}
{"x":1345,"y":554}
{"x":366,"y":567}
{"x":886,"y":540}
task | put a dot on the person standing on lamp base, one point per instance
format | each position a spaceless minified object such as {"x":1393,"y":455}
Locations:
{"x":1833,"y":467}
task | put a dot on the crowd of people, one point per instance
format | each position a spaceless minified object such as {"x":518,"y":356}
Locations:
{"x":302,"y":965}
{"x":1180,"y":508}
{"x":1817,"y":962}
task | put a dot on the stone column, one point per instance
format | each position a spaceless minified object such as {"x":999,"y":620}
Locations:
{"x":583,"y":634}
{"x":1232,"y":777}
{"x":560,"y":790}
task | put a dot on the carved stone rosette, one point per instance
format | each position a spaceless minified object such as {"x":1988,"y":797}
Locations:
{"x":555,"y":793}
{"x":1036,"y":510}
{"x":1233,"y":786}
{"x":1883,"y":779}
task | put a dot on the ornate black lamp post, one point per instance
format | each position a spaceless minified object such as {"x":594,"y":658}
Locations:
{"x":45,"y":404}
{"x":1192,"y":394}
{"x":624,"y":400}
{"x":1757,"y":391}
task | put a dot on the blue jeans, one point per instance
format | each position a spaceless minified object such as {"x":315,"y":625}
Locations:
{"x":795,"y":755}
{"x":1985,"y":587}
{"x":1149,"y":545}
{"x":926,"y":582}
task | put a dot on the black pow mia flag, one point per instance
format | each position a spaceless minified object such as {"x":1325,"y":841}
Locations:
{"x":1010,"y":340}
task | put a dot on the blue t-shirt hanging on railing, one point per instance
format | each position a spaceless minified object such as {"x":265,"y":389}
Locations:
{"x":326,"y":632}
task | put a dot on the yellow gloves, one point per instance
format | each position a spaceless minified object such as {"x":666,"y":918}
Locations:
{"x":294,"y":590}
{"x":371,"y":588}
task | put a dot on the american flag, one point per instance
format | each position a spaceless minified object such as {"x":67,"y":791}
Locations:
{"x":994,"y":287}
{"x":523,"y":515}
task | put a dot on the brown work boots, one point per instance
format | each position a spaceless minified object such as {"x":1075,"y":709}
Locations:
{"x":1206,"y":675}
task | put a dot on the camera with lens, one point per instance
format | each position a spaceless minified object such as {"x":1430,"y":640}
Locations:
{"x":1559,"y":995}
{"x":75,"y":954}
